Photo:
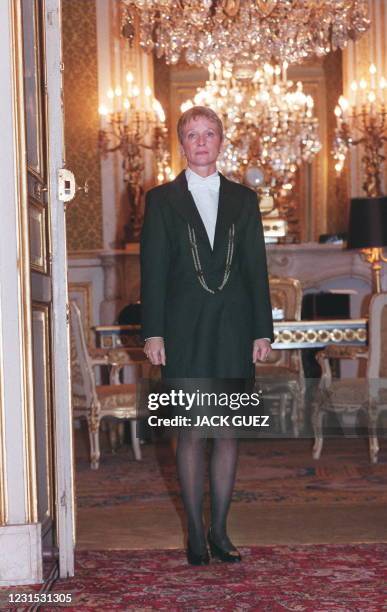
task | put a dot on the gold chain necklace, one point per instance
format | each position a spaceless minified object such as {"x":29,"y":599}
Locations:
{"x":196,"y":258}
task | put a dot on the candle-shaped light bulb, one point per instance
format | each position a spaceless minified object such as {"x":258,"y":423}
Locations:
{"x":110,"y":94}
{"x":363,"y":84}
{"x":309,"y":102}
{"x":129,"y":77}
{"x":284,"y":70}
{"x":338,"y":112}
{"x":135,"y":91}
{"x":265,"y":96}
{"x":343,"y":103}
{"x":126,"y":103}
{"x":103,"y":110}
{"x":371,"y":97}
{"x":372,"y":73}
{"x":118,"y":91}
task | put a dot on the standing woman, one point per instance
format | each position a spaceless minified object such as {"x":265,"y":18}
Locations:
{"x":206,"y":311}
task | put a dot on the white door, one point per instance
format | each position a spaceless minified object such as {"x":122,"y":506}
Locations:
{"x":40,"y":23}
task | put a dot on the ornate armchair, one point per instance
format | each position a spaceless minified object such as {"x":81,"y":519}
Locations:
{"x":281,"y":378}
{"x":94,"y":402}
{"x":350,"y":396}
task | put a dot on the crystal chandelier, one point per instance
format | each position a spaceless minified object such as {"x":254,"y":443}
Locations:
{"x":255,"y":31}
{"x":269,"y":126}
{"x":362,"y":121}
{"x":133,"y":122}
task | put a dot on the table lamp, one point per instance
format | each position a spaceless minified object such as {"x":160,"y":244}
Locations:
{"x":368,"y":232}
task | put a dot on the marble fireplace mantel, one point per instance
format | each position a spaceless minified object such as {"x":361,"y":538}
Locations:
{"x":317,"y":266}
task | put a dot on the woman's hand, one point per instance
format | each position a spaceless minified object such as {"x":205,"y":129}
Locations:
{"x":155,"y":351}
{"x":261,"y":349}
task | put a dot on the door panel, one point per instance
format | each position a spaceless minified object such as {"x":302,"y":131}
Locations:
{"x":33,"y":29}
{"x":33,"y":54}
{"x":41,"y":326}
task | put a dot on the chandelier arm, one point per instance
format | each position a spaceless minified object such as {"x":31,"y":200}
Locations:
{"x":145,"y":146}
{"x":112,"y":149}
{"x":355,"y":142}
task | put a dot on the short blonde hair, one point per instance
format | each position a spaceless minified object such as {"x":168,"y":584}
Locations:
{"x":194,"y":113}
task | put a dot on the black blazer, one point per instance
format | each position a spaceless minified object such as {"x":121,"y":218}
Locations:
{"x":206,"y":334}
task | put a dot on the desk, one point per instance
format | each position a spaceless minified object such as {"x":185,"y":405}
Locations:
{"x":287,"y":334}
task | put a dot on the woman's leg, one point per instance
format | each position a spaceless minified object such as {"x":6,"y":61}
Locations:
{"x":223,"y":465}
{"x":191,"y":467}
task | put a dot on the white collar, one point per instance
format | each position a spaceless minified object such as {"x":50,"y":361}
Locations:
{"x":190,"y":173}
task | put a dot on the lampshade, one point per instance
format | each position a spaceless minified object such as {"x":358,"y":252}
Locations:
{"x":367,"y":223}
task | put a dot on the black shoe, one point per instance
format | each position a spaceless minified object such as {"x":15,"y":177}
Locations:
{"x":195,"y":558}
{"x":227,"y":556}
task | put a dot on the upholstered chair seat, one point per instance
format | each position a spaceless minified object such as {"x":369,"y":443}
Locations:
{"x":114,"y":397}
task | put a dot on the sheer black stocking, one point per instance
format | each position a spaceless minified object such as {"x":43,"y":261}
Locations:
{"x":222,"y":477}
{"x":191,"y":467}
{"x":190,"y":458}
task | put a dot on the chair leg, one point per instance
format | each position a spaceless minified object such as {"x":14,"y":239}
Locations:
{"x":113,"y":435}
{"x":297,"y":416}
{"x":135,"y":440}
{"x":95,"y":453}
{"x":121,"y":432}
{"x":373,"y":437}
{"x":317,"y":422}
{"x":282,"y":411}
{"x":373,"y":449}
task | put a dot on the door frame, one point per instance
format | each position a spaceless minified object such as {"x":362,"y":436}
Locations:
{"x":64,"y":454}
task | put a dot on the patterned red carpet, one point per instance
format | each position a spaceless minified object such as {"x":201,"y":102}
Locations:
{"x":297,"y":578}
{"x":269,"y":472}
